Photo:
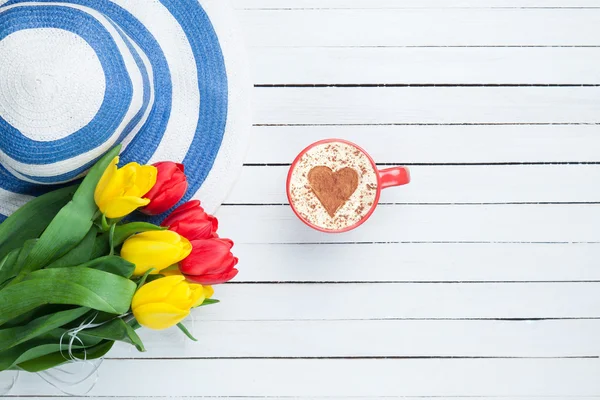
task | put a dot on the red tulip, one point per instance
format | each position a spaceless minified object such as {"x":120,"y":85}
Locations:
{"x":211,"y":262}
{"x":192,"y":222}
{"x":170,"y":187}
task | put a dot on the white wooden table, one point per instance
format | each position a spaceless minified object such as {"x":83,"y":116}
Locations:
{"x":479,"y":280}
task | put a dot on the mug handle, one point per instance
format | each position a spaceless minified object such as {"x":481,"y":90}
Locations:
{"x":395,"y":176}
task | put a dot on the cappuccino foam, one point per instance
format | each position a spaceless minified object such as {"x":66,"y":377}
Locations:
{"x":336,"y":156}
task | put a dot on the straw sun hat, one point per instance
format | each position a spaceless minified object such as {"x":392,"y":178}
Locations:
{"x":164,"y":77}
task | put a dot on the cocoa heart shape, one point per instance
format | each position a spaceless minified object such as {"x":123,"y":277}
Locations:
{"x":333,"y":189}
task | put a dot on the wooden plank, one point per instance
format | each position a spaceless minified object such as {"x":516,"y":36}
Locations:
{"x":427,"y":105}
{"x":437,"y":144}
{"x":172,"y":397}
{"x":392,"y":4}
{"x":175,"y":397}
{"x":439,"y":223}
{"x":419,"y":262}
{"x":553,"y":338}
{"x":401,"y":65}
{"x":368,"y":301}
{"x":357,"y":378}
{"x":449,"y":185}
{"x":421,"y":27}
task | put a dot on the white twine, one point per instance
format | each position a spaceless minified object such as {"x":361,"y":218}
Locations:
{"x":72,"y":333}
{"x":73,"y":379}
{"x":71,"y":387}
{"x":70,"y":378}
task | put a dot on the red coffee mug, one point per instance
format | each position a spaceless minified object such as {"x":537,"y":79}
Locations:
{"x":386,"y":178}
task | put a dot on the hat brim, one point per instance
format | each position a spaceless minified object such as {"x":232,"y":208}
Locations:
{"x":212,"y":146}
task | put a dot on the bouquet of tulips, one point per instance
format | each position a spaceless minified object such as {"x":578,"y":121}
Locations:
{"x":78,"y":273}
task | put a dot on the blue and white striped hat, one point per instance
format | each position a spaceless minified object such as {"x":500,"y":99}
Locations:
{"x":164,"y":77}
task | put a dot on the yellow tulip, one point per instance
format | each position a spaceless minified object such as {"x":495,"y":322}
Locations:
{"x":208,"y":290}
{"x":155,"y":249}
{"x":166,"y":302}
{"x":208,"y":293}
{"x":121,"y":190}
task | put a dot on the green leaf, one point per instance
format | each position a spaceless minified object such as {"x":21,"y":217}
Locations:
{"x":43,"y":363}
{"x":14,"y":269}
{"x":101,"y":246}
{"x":114,"y":265}
{"x":8,"y":266}
{"x":55,"y":359}
{"x":26,"y":352}
{"x":134,"y":324}
{"x":79,"y":254}
{"x":18,"y":266}
{"x":11,"y":337}
{"x":42,"y":346}
{"x":35,"y":313}
{"x":122,"y":233}
{"x":209,"y":302}
{"x":29,"y":221}
{"x":117,"y":330}
{"x":71,"y":224}
{"x":111,"y":264}
{"x":63,"y":234}
{"x":185,"y":331}
{"x":84,"y":287}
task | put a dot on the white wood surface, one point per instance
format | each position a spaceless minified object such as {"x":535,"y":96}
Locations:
{"x":438,"y":144}
{"x":479,"y":280}
{"x":450,"y":184}
{"x":328,"y":27}
{"x":418,"y":65}
{"x":430,"y":105}
{"x":362,"y":378}
{"x":407,"y":4}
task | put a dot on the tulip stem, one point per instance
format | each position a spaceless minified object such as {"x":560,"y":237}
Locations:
{"x":144,"y":277}
{"x":105,"y":226}
{"x":111,"y":235}
{"x":128,"y":318}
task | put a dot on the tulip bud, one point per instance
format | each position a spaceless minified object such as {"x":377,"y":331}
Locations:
{"x":191,"y":221}
{"x":210,"y":262}
{"x":155,"y":249}
{"x":171,"y":185}
{"x":120,"y":190}
{"x":166,"y":302}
